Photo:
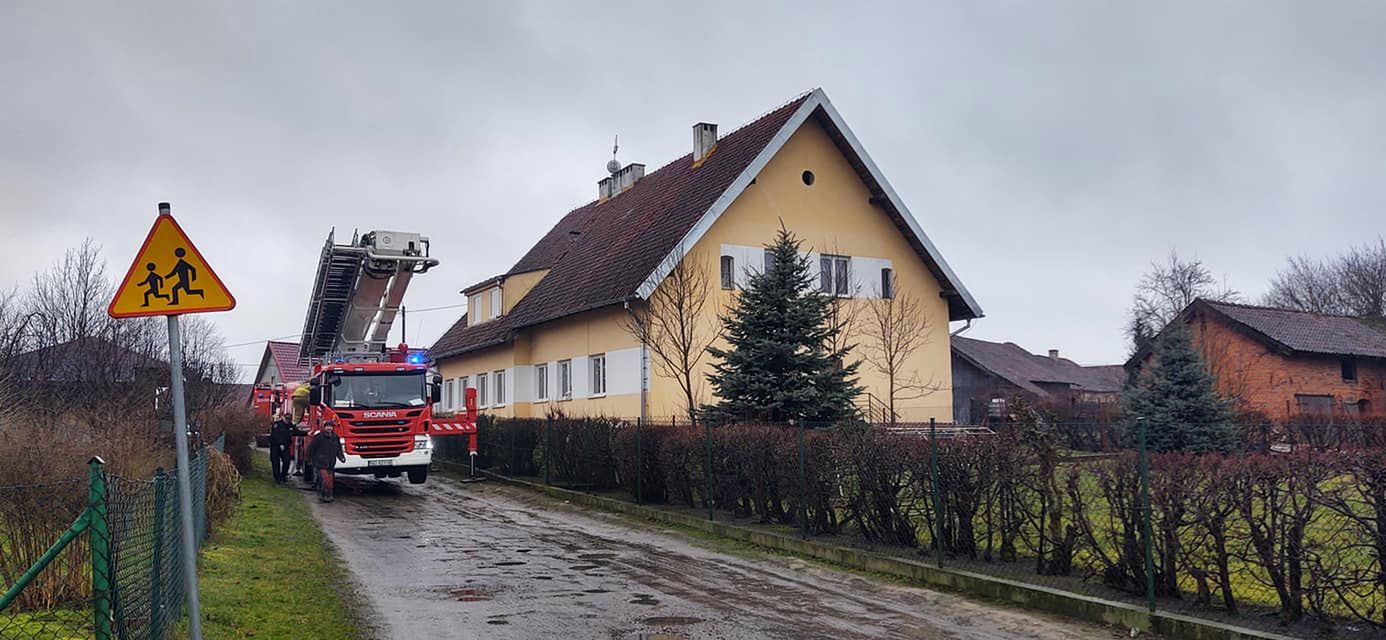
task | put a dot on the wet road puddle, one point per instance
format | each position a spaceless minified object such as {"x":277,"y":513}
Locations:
{"x":596,"y":556}
{"x":661,"y":636}
{"x":671,"y":621}
{"x":510,"y":563}
{"x":646,"y":600}
{"x":596,"y":591}
{"x":584,"y":567}
{"x":470,"y":594}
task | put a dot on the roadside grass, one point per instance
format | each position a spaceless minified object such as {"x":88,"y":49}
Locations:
{"x":270,"y":572}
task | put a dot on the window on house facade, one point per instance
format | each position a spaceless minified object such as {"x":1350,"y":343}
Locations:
{"x":481,"y":397}
{"x":565,"y":379}
{"x":541,"y":382}
{"x":1349,"y":367}
{"x":996,"y":408}
{"x":598,"y":374}
{"x":474,"y":309}
{"x":449,"y":394}
{"x":728,"y":272}
{"x":462,"y":392}
{"x":1314,"y":405}
{"x":500,"y":388}
{"x":835,"y":275}
{"x":495,"y":302}
{"x":767,"y":260}
{"x":887,"y":283}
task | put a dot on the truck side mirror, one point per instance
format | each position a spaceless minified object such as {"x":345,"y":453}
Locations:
{"x":435,"y":392}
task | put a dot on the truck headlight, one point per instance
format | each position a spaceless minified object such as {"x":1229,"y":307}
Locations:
{"x":423,"y":442}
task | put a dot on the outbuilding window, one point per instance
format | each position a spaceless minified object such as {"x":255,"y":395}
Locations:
{"x":1349,"y":370}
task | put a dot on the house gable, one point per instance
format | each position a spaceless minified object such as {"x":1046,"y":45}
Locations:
{"x":817,"y":108}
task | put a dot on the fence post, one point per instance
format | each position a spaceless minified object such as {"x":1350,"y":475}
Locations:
{"x":100,"y":537}
{"x":803,"y":508}
{"x":156,"y":569}
{"x":639,"y":466}
{"x":937,"y":491}
{"x":708,"y":425}
{"x":548,"y":447}
{"x":1146,"y":517}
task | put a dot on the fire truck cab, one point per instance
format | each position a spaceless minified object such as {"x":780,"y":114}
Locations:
{"x":380,"y":399}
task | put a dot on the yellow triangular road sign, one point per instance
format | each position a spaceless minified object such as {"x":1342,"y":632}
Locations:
{"x":169,"y":277}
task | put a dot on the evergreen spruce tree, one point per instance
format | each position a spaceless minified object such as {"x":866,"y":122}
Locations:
{"x":777,"y":364}
{"x":1176,"y":398}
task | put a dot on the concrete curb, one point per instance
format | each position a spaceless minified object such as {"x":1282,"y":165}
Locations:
{"x":1040,"y":598}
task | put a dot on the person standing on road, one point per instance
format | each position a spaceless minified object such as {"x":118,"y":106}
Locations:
{"x":281,"y":435}
{"x":324,"y":452}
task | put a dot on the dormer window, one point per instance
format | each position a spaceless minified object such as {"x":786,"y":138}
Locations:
{"x":496,"y":302}
{"x":474,"y":309}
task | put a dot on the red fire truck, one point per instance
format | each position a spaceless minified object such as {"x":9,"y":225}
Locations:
{"x":380,"y":398}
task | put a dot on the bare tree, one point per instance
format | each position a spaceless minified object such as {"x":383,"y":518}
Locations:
{"x":1166,"y":289}
{"x":1353,"y":283}
{"x":672,"y":327}
{"x":897,"y":327}
{"x":1307,"y":285}
{"x":1362,"y":279}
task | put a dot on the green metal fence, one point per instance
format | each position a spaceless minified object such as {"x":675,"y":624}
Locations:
{"x":97,"y":558}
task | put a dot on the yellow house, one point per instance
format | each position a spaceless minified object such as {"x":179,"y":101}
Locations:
{"x":551,"y":333}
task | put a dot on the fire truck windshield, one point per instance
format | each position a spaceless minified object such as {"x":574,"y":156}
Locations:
{"x":381,"y":390}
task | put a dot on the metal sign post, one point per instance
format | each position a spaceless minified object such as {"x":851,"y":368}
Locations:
{"x":185,"y":509}
{"x":169,"y":278}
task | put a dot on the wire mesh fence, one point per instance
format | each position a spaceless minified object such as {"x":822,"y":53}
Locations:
{"x":1285,"y":533}
{"x":96,"y":558}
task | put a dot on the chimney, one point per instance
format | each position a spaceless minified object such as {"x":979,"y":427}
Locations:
{"x":1053,"y":354}
{"x":623,"y":179}
{"x":704,"y":141}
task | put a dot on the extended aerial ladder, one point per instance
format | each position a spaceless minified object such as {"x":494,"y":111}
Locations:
{"x":358,"y":292}
{"x":380,"y":397}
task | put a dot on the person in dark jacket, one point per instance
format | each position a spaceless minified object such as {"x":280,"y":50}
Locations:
{"x":281,"y":436}
{"x":324,"y":451}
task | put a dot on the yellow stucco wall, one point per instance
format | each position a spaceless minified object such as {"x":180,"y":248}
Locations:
{"x":832,"y":215}
{"x":516,"y":286}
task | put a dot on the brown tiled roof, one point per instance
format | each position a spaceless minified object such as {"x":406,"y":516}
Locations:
{"x":1026,"y":370}
{"x":1306,"y":332}
{"x":600,"y":253}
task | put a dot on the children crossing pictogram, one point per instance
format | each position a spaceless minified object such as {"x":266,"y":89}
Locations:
{"x":169,"y":277}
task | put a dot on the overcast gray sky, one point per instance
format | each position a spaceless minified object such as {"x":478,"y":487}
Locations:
{"x":1050,"y":149}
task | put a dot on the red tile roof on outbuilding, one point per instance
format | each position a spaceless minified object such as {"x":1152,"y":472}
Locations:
{"x":285,"y":356}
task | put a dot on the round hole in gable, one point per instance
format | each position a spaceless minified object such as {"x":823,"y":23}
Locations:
{"x":808,"y":178}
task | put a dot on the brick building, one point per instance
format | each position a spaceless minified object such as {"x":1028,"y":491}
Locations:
{"x":1289,"y":364}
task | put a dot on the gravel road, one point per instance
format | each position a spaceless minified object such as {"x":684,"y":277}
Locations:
{"x":483,"y":560}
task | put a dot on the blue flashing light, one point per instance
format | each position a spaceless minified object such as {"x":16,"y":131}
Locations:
{"x":416,"y":358}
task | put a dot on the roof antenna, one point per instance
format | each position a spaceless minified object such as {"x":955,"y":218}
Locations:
{"x":615,"y":165}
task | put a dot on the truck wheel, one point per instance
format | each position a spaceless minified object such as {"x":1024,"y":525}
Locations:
{"x":418,"y":475}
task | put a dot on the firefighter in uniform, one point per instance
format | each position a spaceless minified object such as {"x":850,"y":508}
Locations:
{"x":281,"y":436}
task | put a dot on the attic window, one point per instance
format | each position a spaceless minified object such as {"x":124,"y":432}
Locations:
{"x":808,"y":178}
{"x":728,"y":268}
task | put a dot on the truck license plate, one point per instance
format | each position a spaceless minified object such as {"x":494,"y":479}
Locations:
{"x":380,"y":463}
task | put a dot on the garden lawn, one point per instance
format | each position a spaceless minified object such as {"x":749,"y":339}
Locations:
{"x":270,"y":573}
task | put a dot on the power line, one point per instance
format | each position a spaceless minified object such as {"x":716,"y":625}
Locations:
{"x":297,"y":335}
{"x":243,"y":344}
